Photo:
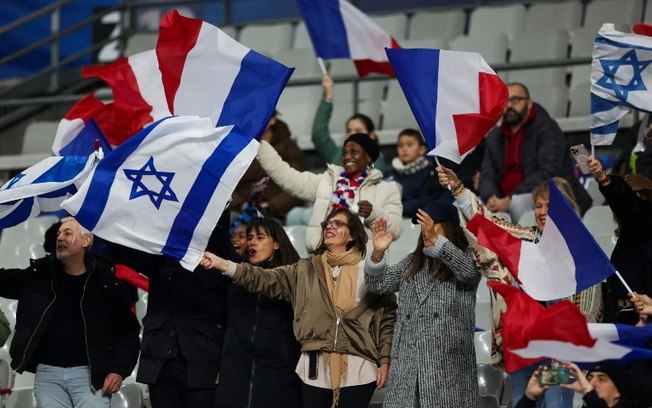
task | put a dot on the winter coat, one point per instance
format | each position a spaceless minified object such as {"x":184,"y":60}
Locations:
{"x":544,"y":155}
{"x":259,"y":354}
{"x":433,"y":349}
{"x":324,"y":143}
{"x":111,"y":328}
{"x":632,"y":255}
{"x":365,"y":331}
{"x":318,"y":189}
{"x":419,"y":184}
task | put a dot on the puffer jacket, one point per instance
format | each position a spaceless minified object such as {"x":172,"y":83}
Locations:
{"x":318,"y":189}
{"x":365,"y":331}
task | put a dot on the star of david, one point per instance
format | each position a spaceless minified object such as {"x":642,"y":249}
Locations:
{"x":149,"y":172}
{"x":610,"y":68}
{"x":14,"y":180}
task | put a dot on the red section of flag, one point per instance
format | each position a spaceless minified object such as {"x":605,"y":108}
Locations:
{"x":642,"y":29}
{"x":499,"y":241}
{"x":85,"y":108}
{"x":125,"y":273}
{"x":471,"y":128}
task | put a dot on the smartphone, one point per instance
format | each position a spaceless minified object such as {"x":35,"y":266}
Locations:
{"x":554,"y":376}
{"x":581,"y":155}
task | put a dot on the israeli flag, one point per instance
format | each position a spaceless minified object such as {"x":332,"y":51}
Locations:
{"x":621,"y":79}
{"x":42,"y":187}
{"x":163,"y":190}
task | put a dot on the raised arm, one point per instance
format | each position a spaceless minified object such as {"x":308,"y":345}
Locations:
{"x":379,"y":277}
{"x":321,"y":136}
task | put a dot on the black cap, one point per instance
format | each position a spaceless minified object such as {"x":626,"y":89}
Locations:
{"x":616,"y":373}
{"x":367,"y":143}
{"x":439,"y":211}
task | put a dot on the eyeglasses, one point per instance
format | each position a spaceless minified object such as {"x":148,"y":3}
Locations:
{"x":516,"y":99}
{"x":335,"y":224}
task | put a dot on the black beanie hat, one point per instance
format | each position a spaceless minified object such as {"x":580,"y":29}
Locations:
{"x":367,"y":143}
{"x":616,"y":373}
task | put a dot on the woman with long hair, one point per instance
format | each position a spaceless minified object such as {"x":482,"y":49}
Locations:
{"x":260,"y":352}
{"x":345,"y":332}
{"x":433,"y":356}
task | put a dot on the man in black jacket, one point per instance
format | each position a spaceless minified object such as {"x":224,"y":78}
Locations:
{"x":74,"y":327}
{"x":184,"y":328}
{"x":528,"y":148}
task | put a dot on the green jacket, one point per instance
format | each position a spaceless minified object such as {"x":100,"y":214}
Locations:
{"x":365,"y":331}
{"x":324,"y":143}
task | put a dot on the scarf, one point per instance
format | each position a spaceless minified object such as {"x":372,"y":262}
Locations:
{"x":345,"y":189}
{"x":342,"y":290}
{"x":412,"y":168}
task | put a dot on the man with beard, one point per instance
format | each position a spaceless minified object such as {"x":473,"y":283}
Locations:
{"x":527,"y":148}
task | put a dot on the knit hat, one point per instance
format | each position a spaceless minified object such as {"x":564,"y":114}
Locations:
{"x":439,"y":211}
{"x":249,"y":212}
{"x":616,"y":373}
{"x":367,"y":143}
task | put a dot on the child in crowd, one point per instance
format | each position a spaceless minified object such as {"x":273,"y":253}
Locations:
{"x":414,"y":171}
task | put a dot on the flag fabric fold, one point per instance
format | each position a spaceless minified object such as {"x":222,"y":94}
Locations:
{"x":164,"y":189}
{"x":338,"y":30}
{"x":527,"y":321}
{"x":455,"y":97}
{"x":78,"y":131}
{"x":565,"y":261}
{"x":620,"y":80}
{"x":207,"y":73}
{"x":42,"y":187}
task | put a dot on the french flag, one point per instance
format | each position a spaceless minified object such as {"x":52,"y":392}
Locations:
{"x":455,"y":97}
{"x":338,"y":30}
{"x":207,"y":73}
{"x":565,"y":261}
{"x":526,"y":320}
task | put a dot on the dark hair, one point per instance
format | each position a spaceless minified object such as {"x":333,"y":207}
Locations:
{"x":356,"y":229}
{"x":286,"y":253}
{"x":455,"y":234}
{"x":527,"y":91}
{"x":412,"y":133}
{"x":280,"y":131}
{"x":50,"y":238}
{"x":368,"y":123}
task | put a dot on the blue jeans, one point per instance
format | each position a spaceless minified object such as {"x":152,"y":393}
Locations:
{"x":59,"y":387}
{"x":555,"y":397}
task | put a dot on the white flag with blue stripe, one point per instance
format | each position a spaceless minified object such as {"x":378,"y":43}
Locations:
{"x":163,"y":190}
{"x":621,"y":79}
{"x":42,"y":187}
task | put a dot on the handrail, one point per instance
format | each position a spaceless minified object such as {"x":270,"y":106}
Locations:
{"x":33,"y":16}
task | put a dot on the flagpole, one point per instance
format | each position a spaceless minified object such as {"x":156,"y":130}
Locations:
{"x":322,"y":66}
{"x":629,"y":290}
{"x":439,"y":165}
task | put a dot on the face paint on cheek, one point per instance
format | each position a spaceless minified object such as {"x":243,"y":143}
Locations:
{"x":73,"y":240}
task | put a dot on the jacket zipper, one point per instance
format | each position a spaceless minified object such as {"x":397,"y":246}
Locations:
{"x":81,"y":308}
{"x":20,"y":367}
{"x":253,"y":360}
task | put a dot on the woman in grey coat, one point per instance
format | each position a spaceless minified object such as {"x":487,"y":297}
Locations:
{"x":433,"y":356}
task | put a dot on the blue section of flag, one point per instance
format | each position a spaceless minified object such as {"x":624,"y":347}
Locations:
{"x":417,"y":71}
{"x":201,"y":192}
{"x":21,"y":211}
{"x":66,"y":169}
{"x":591,"y":264}
{"x":100,"y":187}
{"x":253,"y":91}
{"x":84,"y":143}
{"x":326,"y":28}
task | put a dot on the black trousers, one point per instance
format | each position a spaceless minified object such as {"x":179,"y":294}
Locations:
{"x":350,"y":397}
{"x":171,"y":390}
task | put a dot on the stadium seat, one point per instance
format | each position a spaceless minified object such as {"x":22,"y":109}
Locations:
{"x":607,"y":242}
{"x":483,"y":306}
{"x":603,"y":11}
{"x":342,"y":68}
{"x":593,"y":189}
{"x":140,"y":42}
{"x":445,"y":25}
{"x":39,"y":136}
{"x":545,"y":15}
{"x":297,"y":106}
{"x":600,"y":220}
{"x":554,"y":98}
{"x":303,"y":60}
{"x":482,"y":342}
{"x":267,"y":39}
{"x":529,"y":47}
{"x":297,"y":235}
{"x":527,"y":219}
{"x":395,"y":24}
{"x":301,"y":37}
{"x":492,"y":47}
{"x":580,"y":97}
{"x":433,"y":42}
{"x":406,"y":243}
{"x":377,"y":398}
{"x":490,"y":381}
{"x":129,"y":396}
{"x":396,"y":111}
{"x":489,"y":20}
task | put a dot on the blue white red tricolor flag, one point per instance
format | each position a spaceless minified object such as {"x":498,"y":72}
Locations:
{"x":164,"y":190}
{"x":455,"y":97}
{"x":621,"y":79}
{"x":42,"y":187}
{"x":565,"y":261}
{"x":338,"y":30}
{"x":196,"y":69}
